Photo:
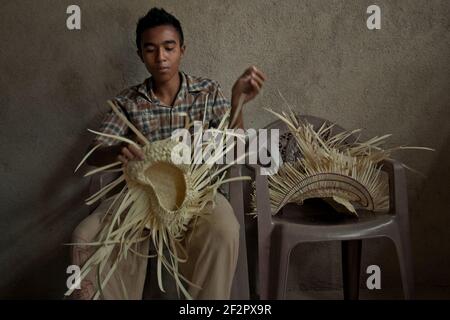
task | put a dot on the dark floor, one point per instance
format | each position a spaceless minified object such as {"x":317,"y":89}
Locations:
{"x":422,"y":293}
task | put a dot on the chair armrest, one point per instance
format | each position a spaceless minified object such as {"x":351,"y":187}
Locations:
{"x":263,"y":207}
{"x":398,"y":194}
{"x":253,"y":167}
{"x":240,"y":288}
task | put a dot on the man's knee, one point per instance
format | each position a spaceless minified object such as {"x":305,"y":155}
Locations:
{"x":224,"y":226}
{"x":87,"y":229}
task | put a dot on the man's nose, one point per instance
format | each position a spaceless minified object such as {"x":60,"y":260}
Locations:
{"x":160,"y":55}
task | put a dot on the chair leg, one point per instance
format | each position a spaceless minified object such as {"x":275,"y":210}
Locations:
{"x":264,"y":269}
{"x":403,"y":247}
{"x":282,"y":272}
{"x":351,"y":267}
{"x":273,"y":268}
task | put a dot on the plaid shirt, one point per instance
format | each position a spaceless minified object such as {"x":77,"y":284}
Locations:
{"x":202,"y":99}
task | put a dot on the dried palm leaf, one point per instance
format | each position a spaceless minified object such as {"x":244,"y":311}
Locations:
{"x":345,"y":174}
{"x":159,"y":201}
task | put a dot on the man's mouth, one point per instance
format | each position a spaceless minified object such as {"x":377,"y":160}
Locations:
{"x":162,"y":69}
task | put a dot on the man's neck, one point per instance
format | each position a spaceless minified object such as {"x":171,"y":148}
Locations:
{"x":167,"y":91}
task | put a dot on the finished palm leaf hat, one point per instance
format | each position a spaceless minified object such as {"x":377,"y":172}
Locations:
{"x":345,"y":172}
{"x":161,"y":197}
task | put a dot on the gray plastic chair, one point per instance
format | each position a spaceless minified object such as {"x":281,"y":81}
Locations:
{"x":240,"y":288}
{"x":312,"y":222}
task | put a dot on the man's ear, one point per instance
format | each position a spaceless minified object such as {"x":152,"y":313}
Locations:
{"x":182,"y":49}
{"x":139,"y":53}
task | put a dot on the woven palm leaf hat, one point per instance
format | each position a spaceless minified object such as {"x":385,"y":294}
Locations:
{"x":158,"y":202}
{"x":347,"y":175}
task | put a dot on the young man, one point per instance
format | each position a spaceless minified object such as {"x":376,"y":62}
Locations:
{"x":156,"y":108}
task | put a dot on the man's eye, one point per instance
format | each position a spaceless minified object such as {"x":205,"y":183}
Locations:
{"x":170,"y":48}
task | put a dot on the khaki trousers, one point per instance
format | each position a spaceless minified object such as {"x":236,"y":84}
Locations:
{"x":212,"y":248}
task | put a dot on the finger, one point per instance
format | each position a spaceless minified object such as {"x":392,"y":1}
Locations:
{"x":136,"y":152}
{"x":122,"y":159}
{"x":127,"y":154}
{"x":255,"y":85}
{"x":261,"y":74}
{"x":249,"y":70}
{"x":254,"y":69}
{"x":258,"y":79}
{"x":255,"y":78}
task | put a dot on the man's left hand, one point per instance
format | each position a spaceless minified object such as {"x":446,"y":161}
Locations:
{"x":249,"y":83}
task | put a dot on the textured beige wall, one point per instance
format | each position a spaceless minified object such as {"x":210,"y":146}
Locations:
{"x":319,"y":54}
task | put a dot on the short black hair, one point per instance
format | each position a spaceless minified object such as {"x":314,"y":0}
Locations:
{"x":157,"y":17}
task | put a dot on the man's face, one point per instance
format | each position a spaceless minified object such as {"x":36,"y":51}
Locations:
{"x":161,"y":52}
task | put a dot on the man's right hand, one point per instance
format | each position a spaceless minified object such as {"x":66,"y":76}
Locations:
{"x":129,"y":152}
{"x":122,"y":152}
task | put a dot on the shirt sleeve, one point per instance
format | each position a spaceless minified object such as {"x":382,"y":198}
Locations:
{"x":220,"y":106}
{"x":113,"y":125}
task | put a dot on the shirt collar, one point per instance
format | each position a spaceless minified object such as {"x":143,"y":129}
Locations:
{"x":188,"y":85}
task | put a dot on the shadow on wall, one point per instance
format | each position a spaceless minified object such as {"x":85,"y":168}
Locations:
{"x":40,"y":273}
{"x":430,"y":222}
